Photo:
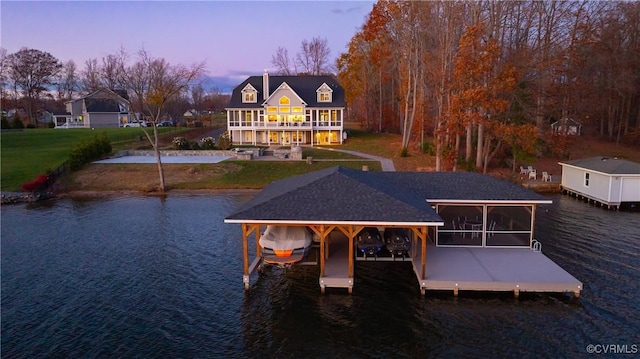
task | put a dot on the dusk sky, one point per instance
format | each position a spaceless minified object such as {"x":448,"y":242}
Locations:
{"x":235,"y":38}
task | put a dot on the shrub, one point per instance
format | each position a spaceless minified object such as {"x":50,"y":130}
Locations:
{"x":404,"y":152}
{"x":208,"y":143}
{"x":17,"y":123}
{"x":180,"y":143}
{"x":224,"y":142}
{"x":4,"y":123}
{"x":89,"y":150}
{"x":33,"y":185}
{"x":428,"y":148}
{"x":51,"y":124}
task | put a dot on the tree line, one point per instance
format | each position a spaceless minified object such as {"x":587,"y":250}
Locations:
{"x":34,"y":79}
{"x":487,"y":78}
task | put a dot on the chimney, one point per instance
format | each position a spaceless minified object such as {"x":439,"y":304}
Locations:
{"x":265,"y":85}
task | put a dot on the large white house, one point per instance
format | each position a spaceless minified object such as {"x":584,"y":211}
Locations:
{"x":286,"y":110}
{"x":608,"y":180}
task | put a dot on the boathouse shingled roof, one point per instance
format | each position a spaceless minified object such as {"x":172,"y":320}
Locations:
{"x":336,"y":194}
{"x":461,"y":186}
{"x":340,"y":194}
{"x":608,"y":165}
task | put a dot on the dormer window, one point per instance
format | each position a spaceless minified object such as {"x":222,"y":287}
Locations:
{"x":324,"y":93}
{"x":249,"y":94}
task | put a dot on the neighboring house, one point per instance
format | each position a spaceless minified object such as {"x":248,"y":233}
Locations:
{"x":287,"y":110}
{"x":608,"y":180}
{"x":59,"y":118}
{"x":102,"y":108}
{"x":566,"y":126}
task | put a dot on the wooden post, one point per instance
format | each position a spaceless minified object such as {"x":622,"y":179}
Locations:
{"x":258,"y":247}
{"x":245,"y":254}
{"x":423,"y":238}
{"x":322,"y":251}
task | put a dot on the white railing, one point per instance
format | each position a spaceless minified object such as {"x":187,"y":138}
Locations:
{"x":283,"y":125}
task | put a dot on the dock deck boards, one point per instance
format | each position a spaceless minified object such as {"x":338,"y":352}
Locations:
{"x":336,"y":268}
{"x":495,"y":269}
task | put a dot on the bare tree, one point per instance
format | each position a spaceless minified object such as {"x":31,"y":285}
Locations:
{"x":197,"y":96}
{"x":91,"y":76}
{"x":32,"y":71}
{"x":4,"y":71}
{"x":283,"y":63}
{"x":155,"y":83}
{"x":110,"y":71}
{"x":68,"y":82}
{"x":313,"y":58}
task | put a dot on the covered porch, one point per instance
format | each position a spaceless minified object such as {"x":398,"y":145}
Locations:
{"x":486,"y":224}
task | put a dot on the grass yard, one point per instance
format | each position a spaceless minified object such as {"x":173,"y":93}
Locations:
{"x":223,"y":175}
{"x":28,"y":153}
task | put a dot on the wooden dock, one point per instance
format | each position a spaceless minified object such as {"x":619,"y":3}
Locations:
{"x":495,"y":269}
{"x":465,"y":268}
{"x":336,"y":265}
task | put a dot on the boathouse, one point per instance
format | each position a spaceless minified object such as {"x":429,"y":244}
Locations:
{"x":610,"y":181}
{"x":468,"y":231}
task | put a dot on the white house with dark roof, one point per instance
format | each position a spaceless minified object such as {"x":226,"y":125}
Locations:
{"x":608,"y":180}
{"x":286,"y":110}
{"x":101,"y":108}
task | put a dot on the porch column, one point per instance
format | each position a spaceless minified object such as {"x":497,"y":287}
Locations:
{"x":341,"y":125}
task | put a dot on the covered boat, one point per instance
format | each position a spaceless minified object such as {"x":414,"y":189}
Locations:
{"x":369,"y":241}
{"x":397,"y":241}
{"x":285,"y":244}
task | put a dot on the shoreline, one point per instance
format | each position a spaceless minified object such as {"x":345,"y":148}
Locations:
{"x":9,"y":198}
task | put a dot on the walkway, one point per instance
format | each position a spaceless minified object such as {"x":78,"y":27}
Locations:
{"x":387,"y":164}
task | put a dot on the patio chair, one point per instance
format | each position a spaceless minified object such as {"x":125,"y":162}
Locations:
{"x":491,"y":228}
{"x":546,"y":177}
{"x":523,"y":171}
{"x":530,"y":169}
{"x":532,"y":174}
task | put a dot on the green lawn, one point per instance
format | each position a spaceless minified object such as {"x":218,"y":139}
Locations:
{"x":28,"y":153}
{"x":31,"y":152}
{"x":258,"y":174}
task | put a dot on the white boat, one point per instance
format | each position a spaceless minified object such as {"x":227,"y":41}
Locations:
{"x":284,"y":244}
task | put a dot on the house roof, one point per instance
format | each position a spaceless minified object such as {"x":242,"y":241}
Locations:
{"x":566,"y":121}
{"x":101,"y":105}
{"x":304,"y":86}
{"x":462,"y":187}
{"x":607,"y":165}
{"x":343,"y":195}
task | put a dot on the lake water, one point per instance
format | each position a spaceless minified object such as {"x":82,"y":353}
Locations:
{"x":153,"y":277}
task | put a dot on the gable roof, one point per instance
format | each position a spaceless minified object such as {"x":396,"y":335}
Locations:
{"x":304,"y":86}
{"x":105,"y":100}
{"x":101,"y":105}
{"x":566,"y":121}
{"x":606,"y":165}
{"x":336,"y":195}
{"x":343,"y":195}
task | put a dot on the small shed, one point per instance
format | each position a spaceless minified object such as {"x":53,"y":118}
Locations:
{"x":608,"y":180}
{"x":566,"y":126}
